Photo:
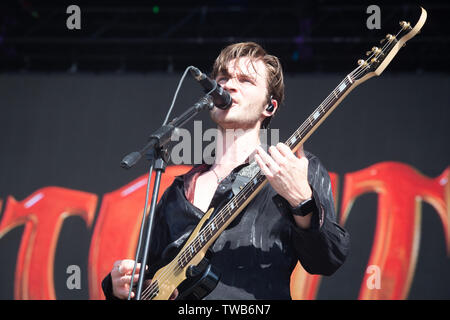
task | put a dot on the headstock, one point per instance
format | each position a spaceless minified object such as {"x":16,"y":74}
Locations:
{"x":379,"y":57}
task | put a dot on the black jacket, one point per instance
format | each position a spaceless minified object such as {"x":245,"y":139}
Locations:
{"x":258,"y":251}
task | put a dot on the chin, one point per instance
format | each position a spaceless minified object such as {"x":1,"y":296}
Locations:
{"x":232,"y":119}
{"x":219,"y":115}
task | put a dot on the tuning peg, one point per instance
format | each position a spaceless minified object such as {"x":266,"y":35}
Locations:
{"x":405,"y":25}
{"x":390,"y":37}
{"x":374,"y":50}
{"x":362,"y":62}
{"x":373,"y":60}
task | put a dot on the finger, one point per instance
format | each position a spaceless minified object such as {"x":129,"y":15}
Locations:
{"x":131,"y":296}
{"x":174,"y":295}
{"x":127,"y":278}
{"x":267,"y":159}
{"x":115,"y":272}
{"x":115,"y":266}
{"x":285,"y":151}
{"x":117,"y":263}
{"x":127,"y":266}
{"x":300,"y":152}
{"x":124,"y":293}
{"x":266,"y":171}
{"x":277,"y":156}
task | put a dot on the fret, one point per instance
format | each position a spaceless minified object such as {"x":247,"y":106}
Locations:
{"x":349,"y":79}
{"x":310,"y":121}
{"x":222,"y":217}
{"x":208,"y":232}
{"x":323,"y":109}
{"x":331,"y":99}
{"x":182,"y":262}
{"x":220,"y":220}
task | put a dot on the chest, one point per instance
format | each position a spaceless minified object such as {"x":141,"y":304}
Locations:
{"x":258,"y":235}
{"x":205,"y":188}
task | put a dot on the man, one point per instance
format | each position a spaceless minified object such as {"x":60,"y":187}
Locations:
{"x":291,"y":219}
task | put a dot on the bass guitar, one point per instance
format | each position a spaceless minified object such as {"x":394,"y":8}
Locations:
{"x":190,"y":260}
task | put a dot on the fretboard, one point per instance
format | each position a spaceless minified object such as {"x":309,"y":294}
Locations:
{"x":320,"y":113}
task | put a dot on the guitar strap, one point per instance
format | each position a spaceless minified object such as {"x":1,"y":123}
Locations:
{"x":244,"y":176}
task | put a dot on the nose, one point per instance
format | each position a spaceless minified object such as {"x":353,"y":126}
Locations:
{"x":228,"y":84}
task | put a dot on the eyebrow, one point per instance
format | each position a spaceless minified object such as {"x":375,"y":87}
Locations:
{"x":225,"y":73}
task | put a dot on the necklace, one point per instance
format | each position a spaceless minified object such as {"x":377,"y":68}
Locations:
{"x":219,"y":180}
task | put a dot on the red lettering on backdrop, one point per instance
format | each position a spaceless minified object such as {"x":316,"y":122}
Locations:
{"x":43,"y":214}
{"x":400,"y":190}
{"x":117,"y":228}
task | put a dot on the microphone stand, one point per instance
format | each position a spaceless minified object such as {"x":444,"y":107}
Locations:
{"x":156,"y":151}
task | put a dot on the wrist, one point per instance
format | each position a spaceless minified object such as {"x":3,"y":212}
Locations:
{"x":304,"y":208}
{"x":295,"y":201}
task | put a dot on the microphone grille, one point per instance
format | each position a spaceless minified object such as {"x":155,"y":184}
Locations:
{"x":196,"y":73}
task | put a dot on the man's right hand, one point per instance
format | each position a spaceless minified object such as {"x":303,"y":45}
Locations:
{"x":121,"y":277}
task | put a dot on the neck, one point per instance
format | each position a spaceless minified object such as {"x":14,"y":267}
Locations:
{"x":233,"y":147}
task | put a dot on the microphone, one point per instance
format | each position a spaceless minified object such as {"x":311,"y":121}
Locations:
{"x":221,"y":98}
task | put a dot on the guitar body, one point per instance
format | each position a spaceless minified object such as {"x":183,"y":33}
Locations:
{"x":202,"y":279}
{"x":194,"y":280}
{"x":198,"y":282}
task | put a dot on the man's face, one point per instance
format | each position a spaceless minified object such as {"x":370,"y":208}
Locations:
{"x":246,"y":81}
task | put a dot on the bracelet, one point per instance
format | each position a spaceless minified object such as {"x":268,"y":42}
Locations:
{"x":304,"y":208}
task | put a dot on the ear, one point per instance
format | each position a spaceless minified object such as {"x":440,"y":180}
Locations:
{"x":270,"y":110}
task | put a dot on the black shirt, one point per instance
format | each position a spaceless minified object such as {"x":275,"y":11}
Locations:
{"x":258,"y":251}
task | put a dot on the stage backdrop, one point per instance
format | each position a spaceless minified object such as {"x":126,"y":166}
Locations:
{"x":68,"y":209}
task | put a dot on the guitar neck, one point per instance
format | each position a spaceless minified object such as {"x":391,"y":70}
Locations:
{"x":321,"y":113}
{"x":235,"y":205}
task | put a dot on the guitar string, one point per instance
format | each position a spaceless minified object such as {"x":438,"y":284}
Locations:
{"x":197,"y":240}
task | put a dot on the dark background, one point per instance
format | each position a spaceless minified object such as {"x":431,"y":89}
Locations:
{"x":74,"y":102}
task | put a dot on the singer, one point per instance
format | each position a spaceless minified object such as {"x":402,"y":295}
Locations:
{"x":291,"y":219}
